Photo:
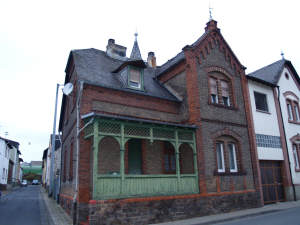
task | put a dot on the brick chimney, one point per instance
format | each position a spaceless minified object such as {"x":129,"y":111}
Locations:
{"x":151,"y":60}
{"x":114,"y":50}
{"x":211,"y":25}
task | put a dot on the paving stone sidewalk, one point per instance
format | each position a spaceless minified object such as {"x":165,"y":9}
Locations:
{"x":57,"y":215}
{"x":223,"y":217}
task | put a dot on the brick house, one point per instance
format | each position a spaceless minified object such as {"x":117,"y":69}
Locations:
{"x":157,"y":143}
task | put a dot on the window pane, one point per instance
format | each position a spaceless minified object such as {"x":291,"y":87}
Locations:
{"x":167,"y":168}
{"x":297,"y":112}
{"x":213,"y":86}
{"x":226,"y":101}
{"x":296,"y":156}
{"x":135,"y":78}
{"x":225,"y":89}
{"x":232,"y":158}
{"x":261,"y":101}
{"x":214,"y":98}
{"x":290,"y":113}
{"x":220,"y":157}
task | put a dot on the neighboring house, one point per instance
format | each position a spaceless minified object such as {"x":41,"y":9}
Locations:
{"x":13,"y":161}
{"x":44,"y":168}
{"x":275,"y":92}
{"x":4,"y":159}
{"x":157,"y":143}
{"x":56,"y":165}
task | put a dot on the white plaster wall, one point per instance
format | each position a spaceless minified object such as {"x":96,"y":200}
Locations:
{"x":290,"y":128}
{"x":269,"y":153}
{"x":3,"y":162}
{"x":265,"y":123}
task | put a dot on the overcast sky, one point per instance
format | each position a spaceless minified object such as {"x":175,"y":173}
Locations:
{"x":37,"y":36}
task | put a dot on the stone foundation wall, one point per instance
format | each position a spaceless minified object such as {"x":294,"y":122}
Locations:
{"x":156,"y":210}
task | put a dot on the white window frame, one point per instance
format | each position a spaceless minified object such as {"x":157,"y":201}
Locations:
{"x":220,"y":170}
{"x":295,"y":153}
{"x":296,"y":109}
{"x":290,"y":111}
{"x":232,"y":151}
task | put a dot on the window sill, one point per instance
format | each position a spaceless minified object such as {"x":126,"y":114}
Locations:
{"x":262,"y":111}
{"x":297,"y":170}
{"x":294,"y":122}
{"x":227,"y":173}
{"x":223,"y":106}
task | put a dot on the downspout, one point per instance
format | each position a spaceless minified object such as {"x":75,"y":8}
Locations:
{"x":77,"y":148}
{"x":288,"y":155}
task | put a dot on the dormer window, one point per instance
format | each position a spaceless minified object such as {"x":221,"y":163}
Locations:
{"x":135,"y":78}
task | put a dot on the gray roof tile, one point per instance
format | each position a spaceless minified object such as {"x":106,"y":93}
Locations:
{"x":270,"y":73}
{"x":95,"y":67}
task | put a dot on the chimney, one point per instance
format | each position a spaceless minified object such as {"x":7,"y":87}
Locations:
{"x":211,"y":25}
{"x":151,"y":60}
{"x":114,"y":50}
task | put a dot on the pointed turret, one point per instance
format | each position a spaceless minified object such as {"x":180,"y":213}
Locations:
{"x":135,"y":53}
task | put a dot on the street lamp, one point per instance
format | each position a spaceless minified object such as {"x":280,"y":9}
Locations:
{"x":67,"y":89}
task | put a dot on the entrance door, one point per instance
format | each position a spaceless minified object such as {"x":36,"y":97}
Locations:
{"x":135,"y":156}
{"x":271,"y":179}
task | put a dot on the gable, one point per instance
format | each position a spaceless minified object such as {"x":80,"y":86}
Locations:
{"x":211,"y":39}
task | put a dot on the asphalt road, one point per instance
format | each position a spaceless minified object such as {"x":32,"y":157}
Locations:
{"x":23,"y":206}
{"x":285,"y":217}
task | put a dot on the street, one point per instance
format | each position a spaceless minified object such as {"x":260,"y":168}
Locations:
{"x":23,"y":206}
{"x":285,"y":217}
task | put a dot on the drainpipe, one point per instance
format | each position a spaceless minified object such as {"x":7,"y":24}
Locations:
{"x":289,"y":161}
{"x":77,"y":149}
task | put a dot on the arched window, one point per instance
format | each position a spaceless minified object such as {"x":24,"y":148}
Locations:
{"x":292,"y":105}
{"x":220,"y":90}
{"x":296,"y":151}
{"x":227,"y":155}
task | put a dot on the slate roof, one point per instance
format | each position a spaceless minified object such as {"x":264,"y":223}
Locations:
{"x":270,"y":74}
{"x":95,"y":67}
{"x":170,"y":63}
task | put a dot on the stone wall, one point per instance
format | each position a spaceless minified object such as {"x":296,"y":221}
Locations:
{"x":156,"y":210}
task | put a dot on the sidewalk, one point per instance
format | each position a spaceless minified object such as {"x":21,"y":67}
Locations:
{"x":57,"y":215}
{"x":208,"y":220}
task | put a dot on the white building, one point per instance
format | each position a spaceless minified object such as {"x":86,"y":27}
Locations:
{"x":274,"y":94}
{"x":4,"y":158}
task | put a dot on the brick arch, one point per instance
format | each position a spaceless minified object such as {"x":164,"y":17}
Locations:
{"x":295,"y":138}
{"x":220,"y":70}
{"x":227,"y":132}
{"x":287,"y":93}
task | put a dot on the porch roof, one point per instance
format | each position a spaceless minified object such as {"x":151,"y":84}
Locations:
{"x":127,"y":118}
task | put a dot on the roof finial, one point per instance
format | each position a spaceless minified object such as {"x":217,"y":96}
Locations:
{"x":282,"y":54}
{"x":210,"y":9}
{"x":135,"y":35}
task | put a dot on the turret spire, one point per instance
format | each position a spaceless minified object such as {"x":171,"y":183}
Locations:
{"x":135,"y":53}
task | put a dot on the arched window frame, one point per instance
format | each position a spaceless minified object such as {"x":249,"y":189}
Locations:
{"x":292,"y":107}
{"x":295,"y":141}
{"x":220,"y":75}
{"x":219,"y":138}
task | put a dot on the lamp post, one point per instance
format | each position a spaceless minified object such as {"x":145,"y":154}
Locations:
{"x":67,"y":89}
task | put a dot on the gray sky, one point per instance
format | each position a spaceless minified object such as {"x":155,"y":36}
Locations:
{"x":37,"y":36}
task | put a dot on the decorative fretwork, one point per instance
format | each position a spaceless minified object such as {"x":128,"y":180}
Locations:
{"x":89,"y":130}
{"x":137,"y":131}
{"x":185,"y":136}
{"x":110,"y":128}
{"x":163,"y":133}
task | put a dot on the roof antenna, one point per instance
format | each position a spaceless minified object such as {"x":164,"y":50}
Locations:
{"x":210,"y":9}
{"x":282,"y":54}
